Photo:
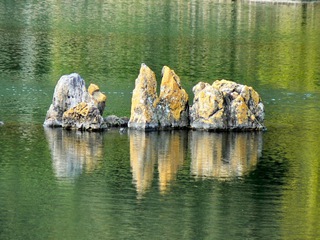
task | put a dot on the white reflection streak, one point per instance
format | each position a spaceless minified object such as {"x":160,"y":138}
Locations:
{"x":73,"y":151}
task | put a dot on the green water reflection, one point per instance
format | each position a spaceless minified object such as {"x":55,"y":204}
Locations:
{"x":167,"y":185}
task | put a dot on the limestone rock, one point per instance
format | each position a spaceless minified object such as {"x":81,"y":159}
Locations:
{"x":144,"y":101}
{"x":173,"y":106}
{"x":84,"y":116}
{"x":226,"y":105}
{"x":99,"y":99}
{"x":69,"y":92}
{"x":207,"y":111}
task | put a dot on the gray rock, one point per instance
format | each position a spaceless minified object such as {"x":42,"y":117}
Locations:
{"x":1,"y":123}
{"x":69,"y":92}
{"x":73,"y":107}
{"x":114,"y":121}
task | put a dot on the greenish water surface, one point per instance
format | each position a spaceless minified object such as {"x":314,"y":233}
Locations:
{"x":58,"y":184}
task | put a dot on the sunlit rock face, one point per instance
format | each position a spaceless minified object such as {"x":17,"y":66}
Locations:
{"x":75,"y":107}
{"x":225,"y":155}
{"x":226,"y":105}
{"x":84,"y":116}
{"x":98,"y":98}
{"x":144,"y":100}
{"x":173,"y":106}
{"x":169,"y":110}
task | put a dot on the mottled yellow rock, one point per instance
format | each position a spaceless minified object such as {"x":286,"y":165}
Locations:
{"x":93,"y":88}
{"x":239,"y":111}
{"x":98,"y":98}
{"x":173,"y":106}
{"x":84,"y":116}
{"x":207,"y":110}
{"x":226,"y":105}
{"x":144,"y":100}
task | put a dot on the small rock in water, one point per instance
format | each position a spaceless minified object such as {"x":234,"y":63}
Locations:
{"x":226,"y":105}
{"x":75,"y":107}
{"x":114,"y":121}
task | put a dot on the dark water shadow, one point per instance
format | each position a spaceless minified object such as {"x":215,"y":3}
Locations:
{"x":73,"y":152}
{"x":224,"y":156}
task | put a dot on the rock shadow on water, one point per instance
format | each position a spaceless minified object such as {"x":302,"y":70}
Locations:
{"x":166,"y":149}
{"x":73,"y":152}
{"x":224,"y":156}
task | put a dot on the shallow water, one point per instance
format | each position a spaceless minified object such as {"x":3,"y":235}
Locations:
{"x":57,"y":184}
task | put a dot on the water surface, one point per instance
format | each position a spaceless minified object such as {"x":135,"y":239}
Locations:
{"x":58,"y":184}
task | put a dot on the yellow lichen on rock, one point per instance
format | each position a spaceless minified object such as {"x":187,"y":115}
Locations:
{"x":172,"y":105}
{"x":93,"y":88}
{"x":144,"y":96}
{"x":99,"y":99}
{"x":226,"y":105}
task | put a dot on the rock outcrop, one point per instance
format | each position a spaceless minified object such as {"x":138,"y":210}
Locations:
{"x":173,"y":105}
{"x":84,"y":116}
{"x":144,"y":101}
{"x":169,"y":110}
{"x":226,"y":105}
{"x":75,"y":107}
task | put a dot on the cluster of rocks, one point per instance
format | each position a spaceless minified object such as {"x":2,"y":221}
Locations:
{"x":169,"y":110}
{"x":224,"y":105}
{"x":75,"y":107}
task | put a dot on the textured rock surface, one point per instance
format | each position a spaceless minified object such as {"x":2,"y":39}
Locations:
{"x":69,"y":92}
{"x":114,"y":121}
{"x":84,"y":116}
{"x":226,"y":105}
{"x":98,"y":98}
{"x":172,"y":107}
{"x":144,"y":101}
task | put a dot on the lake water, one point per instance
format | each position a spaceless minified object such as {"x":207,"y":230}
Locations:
{"x":58,"y":184}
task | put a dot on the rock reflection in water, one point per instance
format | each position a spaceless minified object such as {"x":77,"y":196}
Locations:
{"x":224,"y":155}
{"x":143,"y":147}
{"x":73,"y":151}
{"x":172,"y":148}
{"x":168,"y":149}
